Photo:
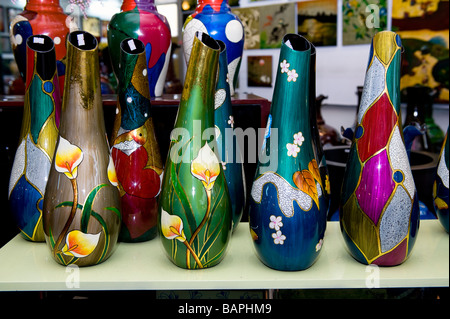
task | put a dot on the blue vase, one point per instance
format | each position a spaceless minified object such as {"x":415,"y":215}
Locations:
{"x":215,"y":18}
{"x":286,"y":220}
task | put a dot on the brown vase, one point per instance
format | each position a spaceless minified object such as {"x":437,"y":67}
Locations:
{"x":81,"y":205}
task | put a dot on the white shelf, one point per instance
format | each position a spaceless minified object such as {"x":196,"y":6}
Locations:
{"x":26,"y":266}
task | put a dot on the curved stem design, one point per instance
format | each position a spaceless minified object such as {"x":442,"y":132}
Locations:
{"x":70,"y":219}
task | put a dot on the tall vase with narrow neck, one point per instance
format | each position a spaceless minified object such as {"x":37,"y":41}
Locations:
{"x":81,"y":209}
{"x":195,"y":209}
{"x":379,"y":210}
{"x":215,"y":18}
{"x":228,"y":146}
{"x":286,"y":220}
{"x":140,"y":19}
{"x":441,"y":187}
{"x":38,"y":137}
{"x":41,"y":17}
{"x":135,"y":150}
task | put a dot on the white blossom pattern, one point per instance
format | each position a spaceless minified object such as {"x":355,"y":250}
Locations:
{"x":292,"y":76}
{"x":278,"y":238}
{"x":275,"y":222}
{"x":284,"y":66}
{"x":292,"y":149}
{"x":299,"y":139}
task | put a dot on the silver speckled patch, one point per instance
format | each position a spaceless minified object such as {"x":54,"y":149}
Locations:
{"x":38,"y":166}
{"x":286,"y":193}
{"x":374,"y":86}
{"x":399,"y":161}
{"x":394,"y":224}
{"x":443,"y":171}
{"x":18,"y":166}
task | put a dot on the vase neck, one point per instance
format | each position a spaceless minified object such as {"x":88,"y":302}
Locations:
{"x":49,"y":5}
{"x":144,"y":5}
{"x":216,"y":5}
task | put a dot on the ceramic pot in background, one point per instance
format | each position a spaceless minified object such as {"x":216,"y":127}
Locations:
{"x":139,"y":19}
{"x":215,"y":18}
{"x":41,"y":17}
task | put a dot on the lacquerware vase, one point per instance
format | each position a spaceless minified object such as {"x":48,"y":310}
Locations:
{"x":41,"y":17}
{"x":195,"y":211}
{"x":139,"y":19}
{"x":81,"y":210}
{"x":379,"y":211}
{"x":135,"y":151}
{"x":38,"y":135}
{"x":215,"y":18}
{"x":440,"y":187}
{"x":229,"y":151}
{"x":287,"y":221}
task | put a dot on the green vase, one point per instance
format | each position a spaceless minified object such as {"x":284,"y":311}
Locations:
{"x":195,"y":208}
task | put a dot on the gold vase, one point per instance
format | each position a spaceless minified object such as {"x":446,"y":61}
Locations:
{"x":81,"y":205}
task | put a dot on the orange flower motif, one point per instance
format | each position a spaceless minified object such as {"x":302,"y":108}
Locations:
{"x":112,"y":176}
{"x":67,"y":159}
{"x":172,"y":226}
{"x":79,"y":244}
{"x":206,"y":167}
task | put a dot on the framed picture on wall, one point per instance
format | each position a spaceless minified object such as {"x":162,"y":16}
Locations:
{"x":259,"y":71}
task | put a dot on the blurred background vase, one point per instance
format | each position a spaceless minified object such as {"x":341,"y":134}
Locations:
{"x":39,"y":132}
{"x":229,"y":149}
{"x":81,"y":205}
{"x":135,"y":150}
{"x":41,"y":17}
{"x":195,"y":217}
{"x":441,"y":187}
{"x":287,"y":222}
{"x":215,"y":18}
{"x":139,"y":19}
{"x":379,"y":211}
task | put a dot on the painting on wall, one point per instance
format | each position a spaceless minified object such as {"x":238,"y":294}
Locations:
{"x":317,"y":21}
{"x":424,"y":29}
{"x":362,"y":20}
{"x":265,"y":26}
{"x":259,"y":71}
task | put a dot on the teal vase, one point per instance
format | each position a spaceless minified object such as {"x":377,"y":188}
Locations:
{"x":195,"y":209}
{"x":227,"y":144}
{"x":286,"y":220}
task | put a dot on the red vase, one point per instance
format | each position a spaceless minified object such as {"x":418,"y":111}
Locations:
{"x":41,"y":17}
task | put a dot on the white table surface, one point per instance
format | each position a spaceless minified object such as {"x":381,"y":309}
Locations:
{"x":27,"y":266}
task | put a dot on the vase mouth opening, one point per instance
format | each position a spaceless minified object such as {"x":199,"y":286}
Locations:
{"x":132,"y":46}
{"x":207,"y":40}
{"x":83,"y":40}
{"x":222,"y":46}
{"x":297,"y":42}
{"x":40,"y":43}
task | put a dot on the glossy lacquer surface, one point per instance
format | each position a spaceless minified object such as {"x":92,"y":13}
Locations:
{"x":441,"y":187}
{"x":288,"y":204}
{"x":81,"y":205}
{"x":215,"y":18}
{"x":39,"y":132}
{"x":379,"y":211}
{"x":195,"y":210}
{"x":228,"y":145}
{"x":41,"y":17}
{"x":135,"y":151}
{"x":139,"y":19}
